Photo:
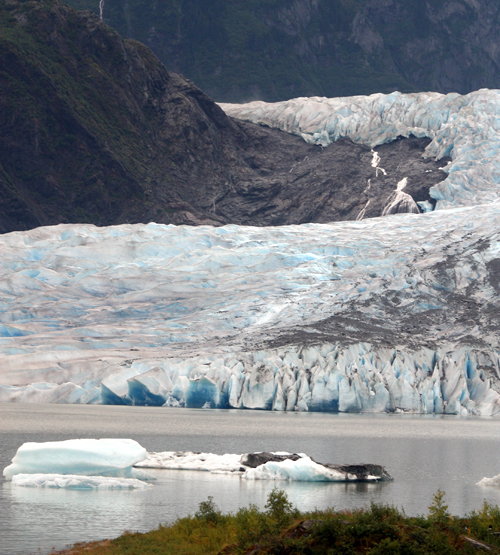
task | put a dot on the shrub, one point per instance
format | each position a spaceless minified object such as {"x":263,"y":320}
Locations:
{"x":438,"y":510}
{"x":208,"y":511}
{"x":251,"y":525}
{"x":279,"y":508}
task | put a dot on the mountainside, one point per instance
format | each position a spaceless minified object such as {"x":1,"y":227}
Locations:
{"x":94,"y":129}
{"x":237,"y":50}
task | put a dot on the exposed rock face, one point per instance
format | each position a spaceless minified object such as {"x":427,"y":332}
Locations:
{"x":363,"y":471}
{"x":94,"y":129}
{"x":292,"y":48}
{"x":449,"y":46}
{"x":253,"y":460}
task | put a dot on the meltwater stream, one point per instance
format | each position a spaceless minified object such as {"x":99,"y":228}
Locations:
{"x":422,"y":453}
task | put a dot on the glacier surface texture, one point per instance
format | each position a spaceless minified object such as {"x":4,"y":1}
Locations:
{"x":398,"y":313}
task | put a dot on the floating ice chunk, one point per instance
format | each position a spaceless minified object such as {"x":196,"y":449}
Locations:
{"x":279,"y":465}
{"x":192,"y":461}
{"x":74,"y":481}
{"x":89,"y":457}
{"x":490,"y":482}
{"x":302,"y":470}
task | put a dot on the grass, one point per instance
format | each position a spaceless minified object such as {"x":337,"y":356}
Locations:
{"x":280,"y":529}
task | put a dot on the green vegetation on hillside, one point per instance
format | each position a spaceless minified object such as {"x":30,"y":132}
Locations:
{"x":282,"y":530}
{"x":93,"y":129}
{"x":238,"y":50}
{"x":65,"y":139}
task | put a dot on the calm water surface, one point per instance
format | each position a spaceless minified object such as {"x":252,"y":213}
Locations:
{"x":422,"y":453}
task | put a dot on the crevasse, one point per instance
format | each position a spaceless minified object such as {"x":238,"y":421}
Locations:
{"x":389,"y":314}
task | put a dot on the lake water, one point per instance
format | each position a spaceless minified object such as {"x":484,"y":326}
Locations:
{"x":422,"y":453}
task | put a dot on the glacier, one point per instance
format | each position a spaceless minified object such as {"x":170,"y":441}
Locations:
{"x":398,"y":313}
{"x":464,"y":127}
{"x":106,"y":464}
{"x":81,"y":457}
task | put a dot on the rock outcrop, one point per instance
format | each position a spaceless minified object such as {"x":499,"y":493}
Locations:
{"x":94,"y":129}
{"x":237,"y":51}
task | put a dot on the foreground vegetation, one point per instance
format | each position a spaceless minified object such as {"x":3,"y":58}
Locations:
{"x":281,"y":529}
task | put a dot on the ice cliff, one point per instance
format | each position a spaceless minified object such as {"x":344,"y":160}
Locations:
{"x":388,"y":314}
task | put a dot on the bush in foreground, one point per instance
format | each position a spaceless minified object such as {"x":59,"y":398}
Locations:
{"x":282,"y":530}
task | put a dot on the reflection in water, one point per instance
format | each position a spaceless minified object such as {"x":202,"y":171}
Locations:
{"x":72,"y":515}
{"x":422,"y":454}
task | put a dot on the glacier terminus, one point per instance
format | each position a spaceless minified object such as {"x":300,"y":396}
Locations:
{"x":397,"y":313}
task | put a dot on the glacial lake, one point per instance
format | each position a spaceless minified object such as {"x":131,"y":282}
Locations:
{"x":422,"y":453}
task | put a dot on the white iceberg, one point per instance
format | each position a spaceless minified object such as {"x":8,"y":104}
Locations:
{"x":85,"y":457}
{"x":302,"y":470}
{"x":490,"y":482}
{"x":71,"y":481}
{"x":187,"y":460}
{"x":266,"y":466}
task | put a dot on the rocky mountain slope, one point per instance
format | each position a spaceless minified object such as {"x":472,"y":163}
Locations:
{"x":278,"y":49}
{"x":94,"y":129}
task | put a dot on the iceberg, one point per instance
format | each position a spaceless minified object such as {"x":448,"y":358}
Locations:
{"x":71,"y":481}
{"x":187,"y":460}
{"x":267,"y":466}
{"x":490,"y":482}
{"x":83,"y":457}
{"x":302,"y":470}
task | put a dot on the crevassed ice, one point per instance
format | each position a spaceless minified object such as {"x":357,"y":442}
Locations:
{"x":466,"y":128}
{"x":151,"y":314}
{"x":184,"y":316}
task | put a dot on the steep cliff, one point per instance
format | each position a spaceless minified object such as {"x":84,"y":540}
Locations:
{"x":278,"y":49}
{"x":94,"y":129}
